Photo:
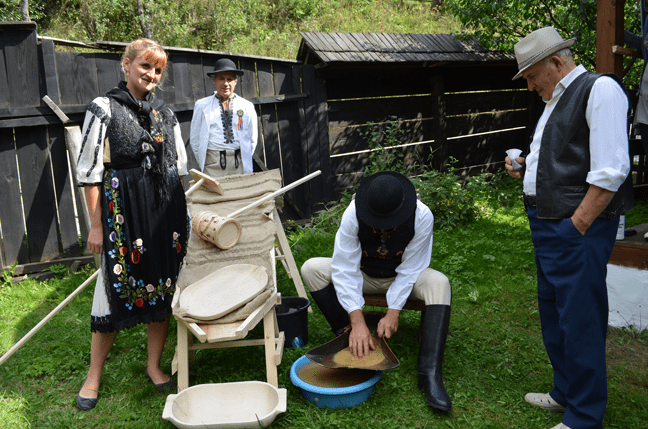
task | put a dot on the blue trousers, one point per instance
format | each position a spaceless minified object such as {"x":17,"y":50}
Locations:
{"x":573,"y":306}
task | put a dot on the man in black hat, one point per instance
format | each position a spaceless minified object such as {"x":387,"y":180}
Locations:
{"x":224,"y":126}
{"x":384,"y":245}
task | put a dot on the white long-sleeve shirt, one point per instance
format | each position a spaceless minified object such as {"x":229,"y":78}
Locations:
{"x":606,"y":115}
{"x":347,"y":252}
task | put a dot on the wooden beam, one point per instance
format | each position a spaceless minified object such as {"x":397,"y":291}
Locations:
{"x":609,"y":25}
{"x":620,"y":50}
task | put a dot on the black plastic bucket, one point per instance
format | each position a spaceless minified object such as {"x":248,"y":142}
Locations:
{"x":292,"y":317}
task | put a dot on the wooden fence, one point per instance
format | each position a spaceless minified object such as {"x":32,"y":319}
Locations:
{"x":471,"y":113}
{"x":37,"y":210}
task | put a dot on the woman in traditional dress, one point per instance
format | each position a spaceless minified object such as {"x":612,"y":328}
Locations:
{"x":131,"y":159}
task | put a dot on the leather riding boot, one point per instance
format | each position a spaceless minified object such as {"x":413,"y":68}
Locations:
{"x":430,"y":358}
{"x":327,"y":301}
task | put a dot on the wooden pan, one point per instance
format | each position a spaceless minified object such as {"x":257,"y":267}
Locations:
{"x":222,"y":291}
{"x":333,"y":354}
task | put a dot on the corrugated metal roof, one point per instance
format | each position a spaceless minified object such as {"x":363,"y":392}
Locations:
{"x":394,"y":47}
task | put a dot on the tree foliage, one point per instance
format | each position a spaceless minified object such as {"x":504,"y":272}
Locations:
{"x":257,"y":27}
{"x":500,"y":24}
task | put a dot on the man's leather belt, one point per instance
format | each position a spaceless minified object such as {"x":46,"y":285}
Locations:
{"x":530,"y":200}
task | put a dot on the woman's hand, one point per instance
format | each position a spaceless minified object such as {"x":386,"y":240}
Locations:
{"x":95,"y":235}
{"x":95,"y":240}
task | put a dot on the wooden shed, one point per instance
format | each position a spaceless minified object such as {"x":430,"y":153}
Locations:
{"x":449,"y":97}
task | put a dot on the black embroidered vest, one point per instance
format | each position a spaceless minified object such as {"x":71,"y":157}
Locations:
{"x":378,"y":260}
{"x":564,"y":160}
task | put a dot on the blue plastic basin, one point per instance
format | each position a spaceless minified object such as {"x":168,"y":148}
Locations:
{"x":332,"y":397}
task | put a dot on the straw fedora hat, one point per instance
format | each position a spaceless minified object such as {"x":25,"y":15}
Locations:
{"x":225,"y":64}
{"x":537,"y":46}
{"x":385,"y":200}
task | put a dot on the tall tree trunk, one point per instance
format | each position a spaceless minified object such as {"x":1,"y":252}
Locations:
{"x":145,"y":20}
{"x":24,"y":10}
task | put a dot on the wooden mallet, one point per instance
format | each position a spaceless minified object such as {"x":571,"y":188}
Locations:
{"x":203,"y":180}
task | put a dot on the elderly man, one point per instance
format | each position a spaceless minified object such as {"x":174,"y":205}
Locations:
{"x":224,"y":126}
{"x":384,"y":245}
{"x":577,"y":161}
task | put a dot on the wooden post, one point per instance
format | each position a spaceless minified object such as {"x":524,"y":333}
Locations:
{"x":440,"y":146}
{"x":609,"y":25}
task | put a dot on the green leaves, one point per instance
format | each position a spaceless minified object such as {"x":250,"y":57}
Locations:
{"x":501,"y":24}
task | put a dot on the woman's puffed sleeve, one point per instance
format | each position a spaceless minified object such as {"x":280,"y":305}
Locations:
{"x":90,"y":163}
{"x":181,"y":152}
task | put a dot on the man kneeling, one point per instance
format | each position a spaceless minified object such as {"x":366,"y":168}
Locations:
{"x":384,"y":246}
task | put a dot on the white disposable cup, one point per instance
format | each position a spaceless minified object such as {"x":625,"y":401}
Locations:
{"x":512,"y":154}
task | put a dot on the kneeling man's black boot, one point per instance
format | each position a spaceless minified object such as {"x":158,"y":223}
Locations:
{"x":327,"y":301}
{"x":430,"y":358}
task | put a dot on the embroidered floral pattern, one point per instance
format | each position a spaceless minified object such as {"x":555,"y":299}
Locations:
{"x":176,"y":242}
{"x":135,"y":292}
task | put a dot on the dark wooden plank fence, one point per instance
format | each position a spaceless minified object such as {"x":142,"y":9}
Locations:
{"x":469,"y":113}
{"x":38,"y":216}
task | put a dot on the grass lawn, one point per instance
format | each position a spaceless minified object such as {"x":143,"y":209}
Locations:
{"x":494,"y":352}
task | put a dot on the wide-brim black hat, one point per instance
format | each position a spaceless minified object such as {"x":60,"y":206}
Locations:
{"x":225,"y":64}
{"x":385,"y":200}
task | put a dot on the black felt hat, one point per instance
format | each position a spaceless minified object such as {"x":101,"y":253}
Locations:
{"x":225,"y":64}
{"x":385,"y":200}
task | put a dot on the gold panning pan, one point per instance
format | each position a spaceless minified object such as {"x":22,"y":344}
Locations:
{"x":335,"y":353}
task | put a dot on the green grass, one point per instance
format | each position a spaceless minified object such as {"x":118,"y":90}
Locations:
{"x":494,"y":352}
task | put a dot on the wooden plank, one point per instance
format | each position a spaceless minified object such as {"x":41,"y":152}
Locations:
{"x":288,"y":125}
{"x":340,"y":39}
{"x":77,"y":73}
{"x":208,"y":62}
{"x":397,"y":42}
{"x":248,"y":82}
{"x":50,"y":73}
{"x":14,"y":241}
{"x":387,"y":43}
{"x":321,"y":117}
{"x":21,"y":59}
{"x":312,"y":191}
{"x":438,"y":104}
{"x":37,"y":193}
{"x":5,"y":94}
{"x":471,"y":102}
{"x":325,"y":41}
{"x":17,"y":112}
{"x":312,"y":147}
{"x":64,"y":188}
{"x":182,"y":80}
{"x":356,"y":40}
{"x":198,"y":81}
{"x":268,"y":117}
{"x":378,"y":42}
{"x":473,"y":124}
{"x":344,"y":113}
{"x":609,"y":24}
{"x":167,"y":90}
{"x":350,"y":139}
{"x":108,"y":72}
